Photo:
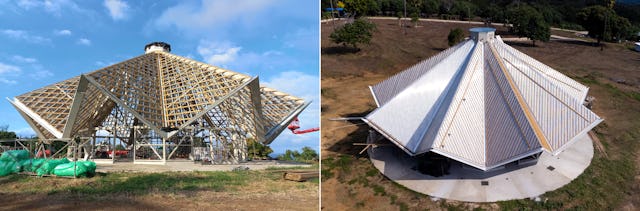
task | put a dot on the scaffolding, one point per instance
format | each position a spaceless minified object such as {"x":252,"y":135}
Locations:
{"x":156,"y":107}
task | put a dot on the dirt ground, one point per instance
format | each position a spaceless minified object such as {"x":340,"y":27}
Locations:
{"x":350,"y":181}
{"x":200,"y":200}
{"x":257,"y":190}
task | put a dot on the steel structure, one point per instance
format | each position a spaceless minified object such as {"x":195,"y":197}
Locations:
{"x":159,"y":105}
{"x":482,"y":103}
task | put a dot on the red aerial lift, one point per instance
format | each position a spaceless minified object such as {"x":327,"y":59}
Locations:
{"x":295,"y":125}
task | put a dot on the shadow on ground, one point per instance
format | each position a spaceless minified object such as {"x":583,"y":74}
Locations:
{"x":339,"y":50}
{"x":48,"y":202}
{"x":345,"y":145}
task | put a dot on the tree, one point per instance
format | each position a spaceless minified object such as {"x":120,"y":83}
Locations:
{"x":258,"y":150}
{"x":361,"y":7}
{"x":595,"y":20}
{"x":358,"y":32}
{"x":289,"y":155}
{"x":464,"y":9}
{"x":414,"y":19}
{"x":494,"y":13}
{"x":307,"y":155}
{"x":455,"y":36}
{"x":430,"y":7}
{"x":604,"y":24}
{"x":399,"y":15}
{"x":5,"y":134}
{"x":528,"y":22}
{"x":621,"y":28}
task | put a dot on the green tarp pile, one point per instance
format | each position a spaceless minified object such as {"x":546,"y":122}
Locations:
{"x":14,"y":161}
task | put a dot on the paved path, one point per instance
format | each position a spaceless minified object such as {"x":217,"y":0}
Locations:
{"x":190,"y":166}
{"x":452,"y":21}
{"x":512,"y":182}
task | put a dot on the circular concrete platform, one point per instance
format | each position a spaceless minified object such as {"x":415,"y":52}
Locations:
{"x":473,"y":185}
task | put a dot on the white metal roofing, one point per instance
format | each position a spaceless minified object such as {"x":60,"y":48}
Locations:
{"x":481,"y":103}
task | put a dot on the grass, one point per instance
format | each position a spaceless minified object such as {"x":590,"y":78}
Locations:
{"x":148,"y":183}
{"x":328,"y":93}
{"x":161,"y":182}
{"x":604,"y":183}
{"x":342,"y":163}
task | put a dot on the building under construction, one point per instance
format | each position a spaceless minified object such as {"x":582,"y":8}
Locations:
{"x":156,"y":107}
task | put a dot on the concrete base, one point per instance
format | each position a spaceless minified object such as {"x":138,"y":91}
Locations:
{"x":465,"y":184}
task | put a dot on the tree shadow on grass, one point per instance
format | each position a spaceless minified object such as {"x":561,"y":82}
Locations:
{"x":339,"y":50}
{"x":580,"y":42}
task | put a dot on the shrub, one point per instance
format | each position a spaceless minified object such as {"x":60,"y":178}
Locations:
{"x":455,"y":36}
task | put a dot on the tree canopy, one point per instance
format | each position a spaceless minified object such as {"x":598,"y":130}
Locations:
{"x":603,"y":23}
{"x":307,"y":155}
{"x":361,"y":7}
{"x":528,"y":22}
{"x":352,"y":34}
{"x":455,"y":36}
{"x":5,"y":134}
{"x":622,"y":22}
{"x":258,"y":150}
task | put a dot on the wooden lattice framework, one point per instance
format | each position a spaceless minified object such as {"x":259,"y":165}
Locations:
{"x":157,"y":103}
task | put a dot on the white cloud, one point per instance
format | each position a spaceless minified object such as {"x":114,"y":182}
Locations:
{"x":104,"y":64}
{"x":8,"y":71}
{"x":84,"y":41}
{"x":303,"y":38}
{"x":117,"y":9}
{"x":54,"y":7}
{"x":24,"y":35}
{"x":40,"y":74}
{"x":21,"y":59}
{"x":218,"y":53}
{"x":305,"y":86}
{"x":296,"y":83}
{"x":62,"y":32}
{"x":211,"y":14}
{"x":25,"y":132}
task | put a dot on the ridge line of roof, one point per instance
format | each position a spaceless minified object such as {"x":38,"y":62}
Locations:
{"x":523,"y":104}
{"x":448,"y":93}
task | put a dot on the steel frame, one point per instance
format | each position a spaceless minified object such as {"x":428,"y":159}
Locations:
{"x":158,"y":104}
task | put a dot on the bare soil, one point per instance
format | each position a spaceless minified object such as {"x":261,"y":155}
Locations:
{"x":262,"y":190}
{"x":351,"y":182}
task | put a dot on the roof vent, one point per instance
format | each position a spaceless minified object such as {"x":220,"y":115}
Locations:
{"x":157,"y":46}
{"x":481,"y":34}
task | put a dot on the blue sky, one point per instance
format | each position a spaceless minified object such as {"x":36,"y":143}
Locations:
{"x":44,"y":42}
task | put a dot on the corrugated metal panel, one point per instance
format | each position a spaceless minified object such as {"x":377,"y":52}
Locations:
{"x":406,"y":122}
{"x":508,"y":132}
{"x":509,"y":96}
{"x":500,"y":107}
{"x":387,"y":89}
{"x":560,"y":116}
{"x":461,"y":134}
{"x":572,"y":87}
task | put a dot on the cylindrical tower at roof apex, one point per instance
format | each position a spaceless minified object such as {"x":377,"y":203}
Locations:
{"x":157,"y":46}
{"x":480,"y":34}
